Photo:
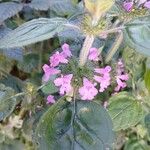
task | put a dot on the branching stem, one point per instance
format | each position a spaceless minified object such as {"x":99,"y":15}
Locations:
{"x":115,"y":47}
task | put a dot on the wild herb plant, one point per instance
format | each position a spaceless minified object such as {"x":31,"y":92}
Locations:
{"x":75,"y":75}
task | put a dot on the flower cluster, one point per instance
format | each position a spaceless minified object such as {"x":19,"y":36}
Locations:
{"x":129,"y":5}
{"x":55,"y":60}
{"x":89,"y":88}
{"x":64,"y":82}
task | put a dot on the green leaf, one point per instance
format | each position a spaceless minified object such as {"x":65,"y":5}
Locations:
{"x":137,"y":35}
{"x":40,"y":5}
{"x":147,"y":122}
{"x":30,"y":63}
{"x":147,"y":79}
{"x":7,"y":102}
{"x":49,"y":88}
{"x":13,"y":53}
{"x":61,"y":7}
{"x":13,"y":82}
{"x":13,"y":145}
{"x":64,"y":7}
{"x":87,"y":126}
{"x":136,"y":144}
{"x":33,"y":31}
{"x":147,"y":75}
{"x":137,"y":69}
{"x":5,"y":64}
{"x":125,"y":111}
{"x":9,"y":9}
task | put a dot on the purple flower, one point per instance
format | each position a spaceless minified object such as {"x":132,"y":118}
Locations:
{"x":104,"y":77}
{"x":88,"y":91}
{"x":93,"y":54}
{"x":147,"y":4}
{"x":48,"y":72}
{"x":56,"y":59}
{"x":64,"y":82}
{"x":50,"y":99}
{"x":121,"y":84}
{"x":128,"y":6}
{"x":104,"y":82}
{"x":66,"y":50}
{"x":103,"y":71}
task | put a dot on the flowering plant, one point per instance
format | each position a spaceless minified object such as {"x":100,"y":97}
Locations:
{"x":95,"y":86}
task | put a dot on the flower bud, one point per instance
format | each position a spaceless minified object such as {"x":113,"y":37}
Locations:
{"x":97,"y":8}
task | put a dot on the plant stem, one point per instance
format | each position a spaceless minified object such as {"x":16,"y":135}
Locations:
{"x":115,"y":47}
{"x":85,"y":50}
{"x":40,"y":56}
{"x":118,"y":29}
{"x":74,"y":114}
{"x":72,"y":26}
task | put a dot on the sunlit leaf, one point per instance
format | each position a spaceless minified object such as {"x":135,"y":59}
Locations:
{"x":147,"y":75}
{"x":125,"y":111}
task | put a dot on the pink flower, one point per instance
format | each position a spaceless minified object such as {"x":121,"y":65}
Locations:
{"x":128,"y":6}
{"x":103,"y":71}
{"x":88,"y":91}
{"x":121,"y":77}
{"x":147,"y":4}
{"x":48,"y":72}
{"x":120,"y":67}
{"x":50,"y":99}
{"x":104,"y":82}
{"x":121,"y":82}
{"x":56,"y":59}
{"x":104,"y":78}
{"x":93,"y":54}
{"x":66,"y":50}
{"x":64,"y":82}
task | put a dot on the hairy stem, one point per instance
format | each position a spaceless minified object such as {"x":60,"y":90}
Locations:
{"x":72,"y":26}
{"x":115,"y":47}
{"x":118,"y":29}
{"x":85,"y":50}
